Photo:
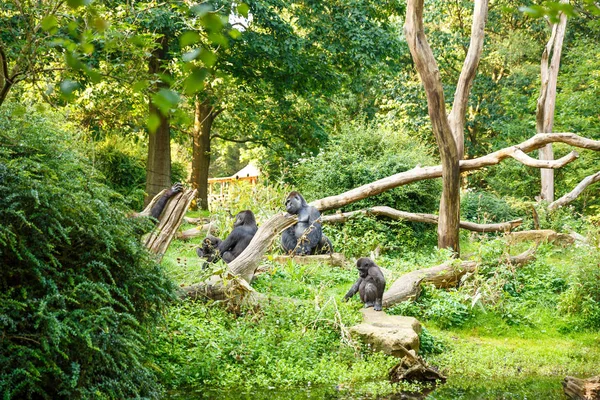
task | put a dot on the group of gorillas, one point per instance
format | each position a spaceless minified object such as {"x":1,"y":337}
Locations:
{"x":303,"y":238}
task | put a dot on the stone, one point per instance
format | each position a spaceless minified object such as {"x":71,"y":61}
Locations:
{"x":391,"y":334}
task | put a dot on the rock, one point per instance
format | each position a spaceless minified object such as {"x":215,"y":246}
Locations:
{"x":391,"y":334}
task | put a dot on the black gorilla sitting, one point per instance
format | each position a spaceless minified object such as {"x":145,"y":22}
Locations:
{"x":306,"y":237}
{"x":158,"y":208}
{"x":370,"y":284}
{"x":244,"y":228}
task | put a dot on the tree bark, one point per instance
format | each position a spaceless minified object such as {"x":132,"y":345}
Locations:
{"x":582,"y":389}
{"x":573,"y":194}
{"x":430,"y":76}
{"x":203,"y":120}
{"x":158,"y":166}
{"x":467,"y":75}
{"x":419,"y":217}
{"x":547,"y":100}
{"x":160,"y":238}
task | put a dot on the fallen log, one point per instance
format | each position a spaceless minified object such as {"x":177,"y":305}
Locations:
{"x":540,"y":236}
{"x":421,"y":173}
{"x":572,"y":195}
{"x":334,"y":259}
{"x":446,"y":275}
{"x":419,"y":217}
{"x":197,"y":231}
{"x":413,"y":368}
{"x":582,"y":389}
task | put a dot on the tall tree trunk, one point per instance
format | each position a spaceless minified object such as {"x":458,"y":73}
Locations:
{"x":158,"y":165}
{"x":203,"y":120}
{"x":446,"y":134}
{"x":547,"y":100}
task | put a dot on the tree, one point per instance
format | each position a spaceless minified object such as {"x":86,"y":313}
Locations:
{"x":448,"y":130}
{"x":547,"y":100}
{"x":273,"y":86}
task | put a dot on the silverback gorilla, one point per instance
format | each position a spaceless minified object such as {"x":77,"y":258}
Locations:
{"x":370,"y":284}
{"x":306,"y":237}
{"x":244,"y":228}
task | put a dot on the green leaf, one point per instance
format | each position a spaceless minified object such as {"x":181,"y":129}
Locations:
{"x":49,"y":23}
{"x":189,"y":38}
{"x":533,"y":11}
{"x":195,"y":81}
{"x":165,"y":99}
{"x":201,"y":9}
{"x":212,"y":22}
{"x":235,"y":34}
{"x":67,"y":87}
{"x":243,"y":9}
{"x":219,"y":39}
{"x":101,"y":24}
{"x":75,"y":3}
{"x":140,"y":85}
{"x":73,"y":61}
{"x":153,"y":122}
{"x":191,"y":55}
{"x":208,"y":57}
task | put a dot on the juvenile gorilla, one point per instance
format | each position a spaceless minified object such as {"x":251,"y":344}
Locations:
{"x":306,"y":237}
{"x":370,"y":284}
{"x":244,"y":228}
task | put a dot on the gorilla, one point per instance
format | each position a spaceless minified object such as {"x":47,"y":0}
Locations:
{"x":370,"y":284}
{"x":244,"y":228}
{"x":159,"y":206}
{"x":306,"y":237}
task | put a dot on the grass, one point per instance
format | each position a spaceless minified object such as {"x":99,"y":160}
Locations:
{"x":512,"y":342}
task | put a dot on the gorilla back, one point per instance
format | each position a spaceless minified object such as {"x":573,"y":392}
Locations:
{"x":244,"y":228}
{"x":306,"y":236}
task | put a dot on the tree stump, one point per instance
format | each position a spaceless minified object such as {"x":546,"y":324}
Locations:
{"x":412,"y":368}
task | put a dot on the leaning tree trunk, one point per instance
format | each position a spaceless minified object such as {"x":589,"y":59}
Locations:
{"x":445,"y":134}
{"x":547,"y":100}
{"x":158,"y":165}
{"x":203,"y":120}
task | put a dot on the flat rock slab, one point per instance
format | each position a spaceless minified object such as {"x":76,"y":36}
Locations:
{"x":390,"y":334}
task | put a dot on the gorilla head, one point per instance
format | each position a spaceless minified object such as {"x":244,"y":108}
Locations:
{"x":246,"y":218}
{"x":295,"y":202}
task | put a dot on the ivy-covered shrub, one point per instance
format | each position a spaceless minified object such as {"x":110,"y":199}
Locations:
{"x":363,"y":154}
{"x":78,"y":292}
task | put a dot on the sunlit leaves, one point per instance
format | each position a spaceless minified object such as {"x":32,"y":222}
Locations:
{"x":153,"y":122}
{"x":189,"y":38}
{"x":195,"y":80}
{"x":243,"y":9}
{"x":201,"y":10}
{"x":551,"y":9}
{"x":67,"y":88}
{"x":50,"y":24}
{"x":234,"y":33}
{"x":165,"y":100}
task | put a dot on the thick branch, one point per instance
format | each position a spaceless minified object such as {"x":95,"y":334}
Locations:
{"x":467,"y":75}
{"x":408,"y":286}
{"x":426,"y":218}
{"x":572,"y":195}
{"x":554,"y":164}
{"x":421,"y":173}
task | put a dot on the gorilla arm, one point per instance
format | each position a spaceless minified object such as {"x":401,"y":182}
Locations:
{"x":353,"y":290}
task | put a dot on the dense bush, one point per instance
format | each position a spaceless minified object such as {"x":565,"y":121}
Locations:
{"x":360,"y":155}
{"x":78,"y":292}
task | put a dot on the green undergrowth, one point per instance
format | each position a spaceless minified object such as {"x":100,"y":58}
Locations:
{"x":505,"y":329}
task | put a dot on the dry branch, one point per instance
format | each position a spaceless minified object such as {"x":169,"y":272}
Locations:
{"x":422,"y":173}
{"x":572,"y":195}
{"x":334,"y":259}
{"x":159,"y":239}
{"x":539,"y":236}
{"x":419,"y":217}
{"x":446,"y":275}
{"x":197,"y":231}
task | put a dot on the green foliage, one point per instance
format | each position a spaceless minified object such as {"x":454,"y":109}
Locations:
{"x":429,"y":344}
{"x":582,"y":299}
{"x":79,"y":293}
{"x":485,"y":207}
{"x":363,"y":154}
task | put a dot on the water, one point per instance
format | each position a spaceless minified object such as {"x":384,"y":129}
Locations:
{"x":456,"y":389}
